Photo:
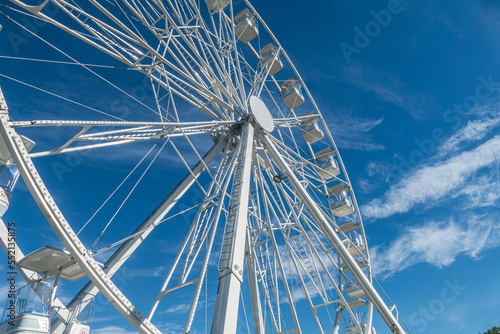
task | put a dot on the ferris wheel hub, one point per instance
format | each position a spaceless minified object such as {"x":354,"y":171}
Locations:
{"x":261,"y":113}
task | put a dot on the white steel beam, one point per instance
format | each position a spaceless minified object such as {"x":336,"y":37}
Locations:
{"x":37,"y":123}
{"x":7,"y":241}
{"x":233,"y":253}
{"x":332,"y":236}
{"x":135,"y":131}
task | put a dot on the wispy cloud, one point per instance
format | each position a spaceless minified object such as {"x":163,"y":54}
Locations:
{"x":351,"y":132}
{"x":375,"y":168}
{"x":365,"y":185}
{"x":171,"y":328}
{"x":152,"y":272}
{"x":432,"y":183}
{"x":474,"y":130}
{"x":104,"y":319}
{"x":433,"y":15}
{"x":179,"y":308}
{"x":378,"y":173}
{"x":112,"y":330}
{"x":483,"y":191}
{"x":390,"y":89}
{"x":486,"y":13}
{"x":438,"y":243}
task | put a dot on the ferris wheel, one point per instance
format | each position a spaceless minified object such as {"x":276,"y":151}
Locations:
{"x":276,"y":220}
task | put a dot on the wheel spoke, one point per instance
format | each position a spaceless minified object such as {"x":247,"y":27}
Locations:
{"x":133,"y":132}
{"x":233,"y":245}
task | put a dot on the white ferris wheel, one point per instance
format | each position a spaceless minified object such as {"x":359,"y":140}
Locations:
{"x":277,"y":220}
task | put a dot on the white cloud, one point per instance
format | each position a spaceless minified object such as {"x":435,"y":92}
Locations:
{"x":360,"y":146}
{"x":179,"y":308}
{"x":484,"y":191}
{"x":378,"y":173}
{"x":435,"y":17}
{"x":432,"y":183}
{"x":473,"y":131}
{"x":112,"y":330}
{"x":390,"y":89}
{"x":351,"y":132}
{"x":365,"y":185}
{"x":103,"y":319}
{"x":436,"y":243}
{"x":486,"y":13}
{"x":151,"y":272}
{"x":171,"y":328}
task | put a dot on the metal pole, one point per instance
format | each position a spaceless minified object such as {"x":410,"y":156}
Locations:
{"x":225,"y":317}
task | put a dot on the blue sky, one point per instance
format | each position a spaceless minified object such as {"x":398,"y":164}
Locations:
{"x":415,"y":113}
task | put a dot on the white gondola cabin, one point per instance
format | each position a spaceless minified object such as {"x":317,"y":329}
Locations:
{"x":30,"y":312}
{"x":354,"y":290}
{"x":291,"y":92}
{"x":339,"y":201}
{"x":360,"y":264}
{"x":352,"y":328}
{"x":246,"y":26}
{"x":328,"y":166}
{"x":32,"y":309}
{"x":355,"y":245}
{"x":270,"y":59}
{"x":355,"y":329}
{"x":310,"y":129}
{"x":341,"y":207}
{"x":51,"y":262}
{"x":217,"y":5}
